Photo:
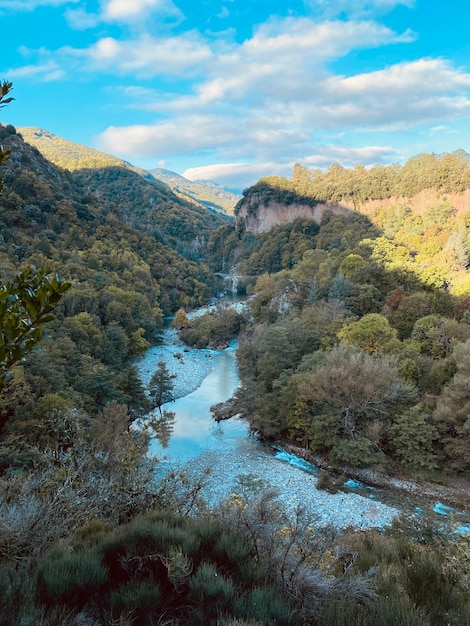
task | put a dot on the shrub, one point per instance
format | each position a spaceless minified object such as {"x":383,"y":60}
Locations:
{"x":326,"y":483}
{"x":265,"y":605}
{"x":142,"y":598}
{"x":71,"y":578}
{"x":209,"y":583}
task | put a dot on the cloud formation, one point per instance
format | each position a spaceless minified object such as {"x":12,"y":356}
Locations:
{"x":302,"y":85}
{"x":123,"y":10}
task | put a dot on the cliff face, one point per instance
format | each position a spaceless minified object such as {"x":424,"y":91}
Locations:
{"x":259,"y":216}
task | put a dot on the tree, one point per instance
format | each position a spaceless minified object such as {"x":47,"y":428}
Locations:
{"x":452,"y":411}
{"x":5,"y":88}
{"x":352,"y":396}
{"x":371,"y":333}
{"x":161,"y":386}
{"x":26,"y":304}
{"x":180,"y":319}
{"x":412,"y":436}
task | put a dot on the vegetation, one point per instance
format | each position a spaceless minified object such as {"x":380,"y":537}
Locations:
{"x":210,"y":195}
{"x":447,"y":173}
{"x":213,"y":328}
{"x":122,"y":284}
{"x":358,"y":344}
{"x":26,"y":304}
{"x":72,"y":156}
{"x":161,"y":386}
{"x":356,"y":347}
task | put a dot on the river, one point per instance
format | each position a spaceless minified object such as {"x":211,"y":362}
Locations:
{"x":193,"y":440}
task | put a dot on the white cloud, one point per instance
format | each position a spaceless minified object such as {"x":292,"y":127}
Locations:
{"x":347,"y":156}
{"x":48,"y":71}
{"x":168,"y":138}
{"x":355,"y":8}
{"x":237,"y":175}
{"x":148,"y":56}
{"x":271,"y":98}
{"x":79,"y":19}
{"x":124,"y":10}
{"x":406,"y":94}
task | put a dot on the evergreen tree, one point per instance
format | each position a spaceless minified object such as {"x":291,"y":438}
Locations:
{"x":161,"y":386}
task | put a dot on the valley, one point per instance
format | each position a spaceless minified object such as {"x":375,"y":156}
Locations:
{"x":355,"y":348}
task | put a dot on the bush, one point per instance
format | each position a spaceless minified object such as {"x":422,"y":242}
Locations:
{"x":71,"y":578}
{"x":326,"y":483}
{"x":208,"y":583}
{"x":265,"y":605}
{"x":141,"y":598}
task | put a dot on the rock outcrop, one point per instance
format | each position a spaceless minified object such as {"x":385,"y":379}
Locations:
{"x":258,"y":217}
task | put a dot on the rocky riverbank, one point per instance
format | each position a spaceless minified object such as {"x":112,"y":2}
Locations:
{"x":456,"y":494}
{"x":249,"y":465}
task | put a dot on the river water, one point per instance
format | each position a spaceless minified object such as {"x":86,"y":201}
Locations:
{"x":193,"y":440}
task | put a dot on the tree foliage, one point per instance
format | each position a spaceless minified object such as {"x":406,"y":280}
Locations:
{"x":161,"y":386}
{"x":26,"y":304}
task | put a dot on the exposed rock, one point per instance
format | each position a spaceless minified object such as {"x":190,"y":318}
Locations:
{"x":260,"y":218}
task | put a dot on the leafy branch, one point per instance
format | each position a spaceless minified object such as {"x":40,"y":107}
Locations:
{"x":5,"y":88}
{"x":26,"y":303}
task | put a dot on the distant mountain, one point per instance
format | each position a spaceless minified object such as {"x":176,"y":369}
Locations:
{"x":133,"y":194}
{"x":209,"y":194}
{"x":70,"y":155}
{"x":74,"y":156}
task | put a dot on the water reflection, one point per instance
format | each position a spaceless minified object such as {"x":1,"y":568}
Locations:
{"x":194,"y":429}
{"x":164,"y":426}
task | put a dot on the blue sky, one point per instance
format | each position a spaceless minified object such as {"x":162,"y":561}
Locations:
{"x":232,"y":90}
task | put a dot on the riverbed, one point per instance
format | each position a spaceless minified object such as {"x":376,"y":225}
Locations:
{"x":206,"y":377}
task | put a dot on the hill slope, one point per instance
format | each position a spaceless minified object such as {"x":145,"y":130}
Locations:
{"x":423,"y":181}
{"x":132,"y":194}
{"x":74,"y":156}
{"x":208,"y":194}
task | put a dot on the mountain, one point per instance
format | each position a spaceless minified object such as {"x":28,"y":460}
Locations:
{"x":74,"y":157}
{"x":70,"y":155}
{"x":136,"y":197}
{"x":209,"y":194}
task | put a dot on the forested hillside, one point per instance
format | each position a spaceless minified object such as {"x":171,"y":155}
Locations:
{"x":210,"y":195}
{"x":74,"y":157}
{"x":124,"y":281}
{"x":355,"y":351}
{"x":447,"y":173}
{"x":360,"y":341}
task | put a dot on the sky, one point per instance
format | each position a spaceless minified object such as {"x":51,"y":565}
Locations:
{"x":232,"y":90}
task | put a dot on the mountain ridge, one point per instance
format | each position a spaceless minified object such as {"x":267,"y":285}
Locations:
{"x":74,"y":156}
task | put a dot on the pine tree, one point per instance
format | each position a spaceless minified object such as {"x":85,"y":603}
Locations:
{"x":161,"y":386}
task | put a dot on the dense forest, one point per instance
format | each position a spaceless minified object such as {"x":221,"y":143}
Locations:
{"x":447,"y":173}
{"x":124,"y":281}
{"x":356,"y":349}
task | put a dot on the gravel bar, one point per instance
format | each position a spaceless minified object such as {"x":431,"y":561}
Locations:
{"x":294,"y":486}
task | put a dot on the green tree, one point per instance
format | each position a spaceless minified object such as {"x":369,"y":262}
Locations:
{"x":412,"y":436}
{"x":26,"y":304}
{"x":180,"y":319}
{"x":452,"y":412}
{"x":371,"y":333}
{"x":352,"y":395}
{"x":161,"y":386}
{"x":5,"y":88}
